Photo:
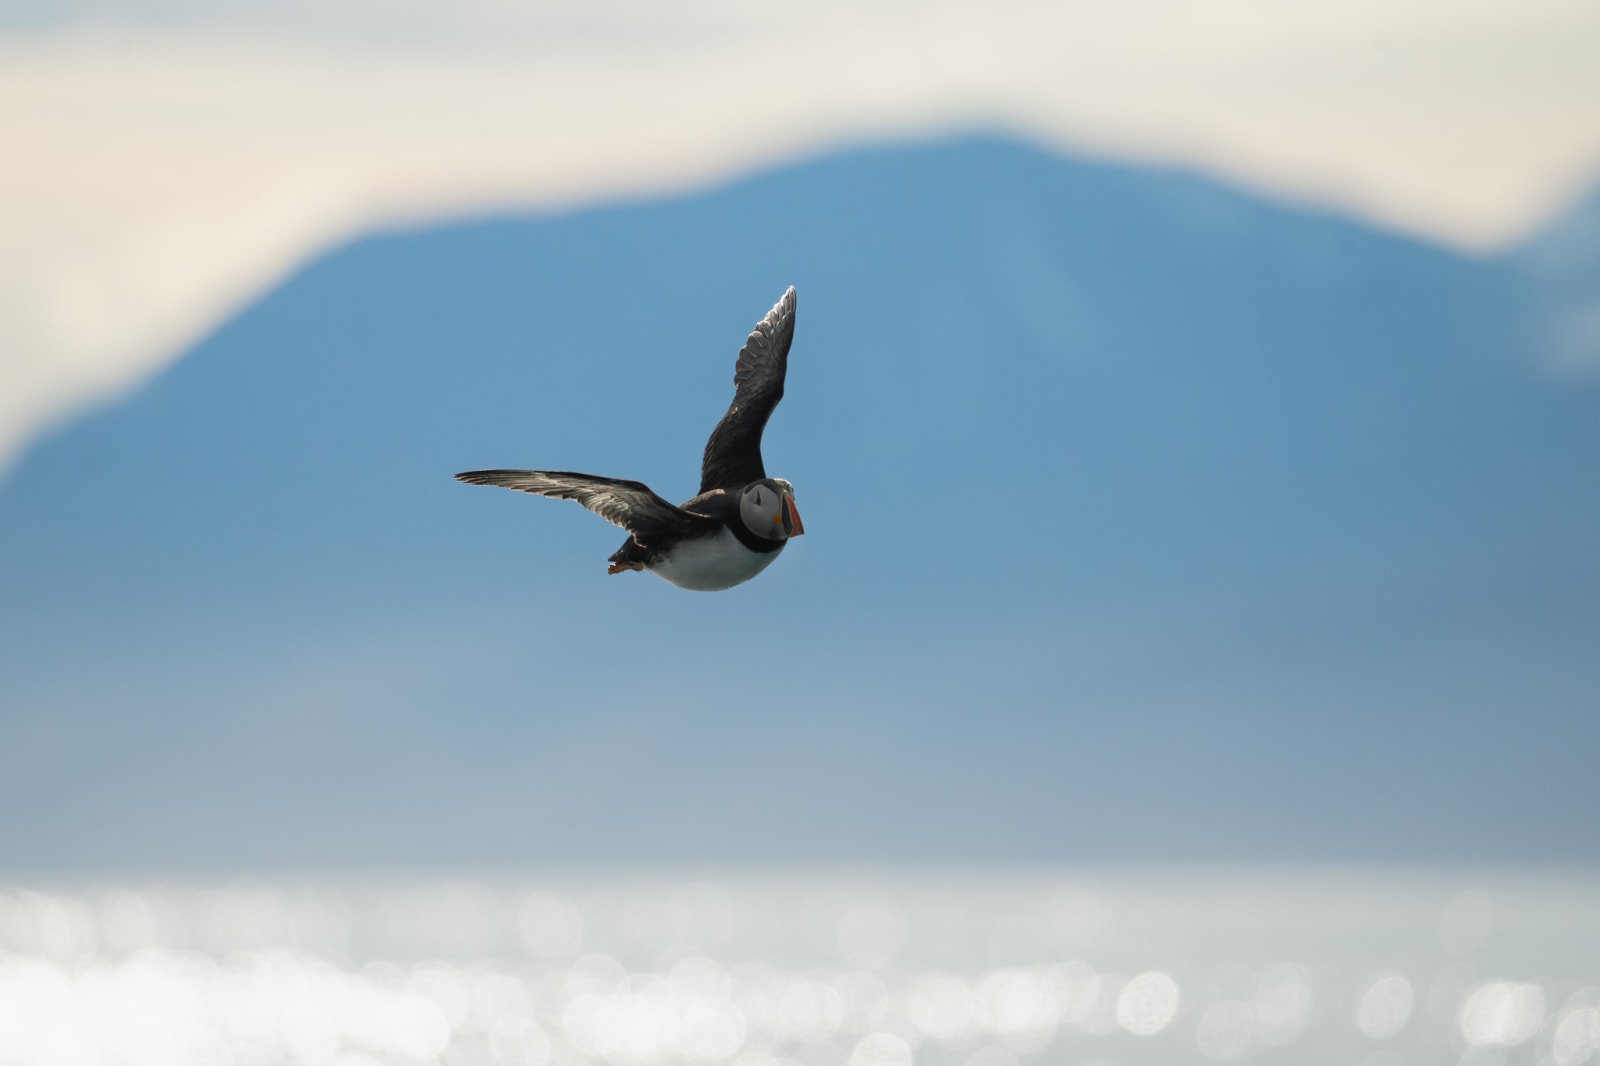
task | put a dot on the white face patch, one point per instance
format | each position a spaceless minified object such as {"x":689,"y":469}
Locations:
{"x":761,"y":508}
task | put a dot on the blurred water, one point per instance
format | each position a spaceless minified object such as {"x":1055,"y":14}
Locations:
{"x":809,"y":966}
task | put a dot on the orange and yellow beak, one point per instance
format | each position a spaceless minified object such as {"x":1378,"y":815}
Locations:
{"x":790,"y":517}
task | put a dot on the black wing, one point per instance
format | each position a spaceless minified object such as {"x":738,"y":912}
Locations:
{"x":629,"y":504}
{"x":733,"y":454}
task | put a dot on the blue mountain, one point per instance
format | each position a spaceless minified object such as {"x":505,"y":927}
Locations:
{"x":1146,"y":520}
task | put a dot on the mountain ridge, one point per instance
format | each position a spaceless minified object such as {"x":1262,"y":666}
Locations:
{"x":1201,"y":496}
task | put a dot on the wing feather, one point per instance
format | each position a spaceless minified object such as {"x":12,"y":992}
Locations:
{"x":733,"y":454}
{"x":629,"y":504}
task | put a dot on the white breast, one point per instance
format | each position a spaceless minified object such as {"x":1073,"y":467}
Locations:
{"x":707,"y":564}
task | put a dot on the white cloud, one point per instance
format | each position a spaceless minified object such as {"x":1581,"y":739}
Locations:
{"x":159,"y":176}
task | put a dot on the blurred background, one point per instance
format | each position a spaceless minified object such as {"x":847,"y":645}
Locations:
{"x":1195,"y":412}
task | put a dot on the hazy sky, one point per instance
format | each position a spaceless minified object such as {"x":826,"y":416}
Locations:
{"x":167,"y":161}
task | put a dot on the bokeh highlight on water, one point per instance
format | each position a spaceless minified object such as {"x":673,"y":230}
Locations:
{"x":809,"y":966}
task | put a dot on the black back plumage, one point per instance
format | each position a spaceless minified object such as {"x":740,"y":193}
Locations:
{"x":733,"y":454}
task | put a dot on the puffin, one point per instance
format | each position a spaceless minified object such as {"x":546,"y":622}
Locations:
{"x":740,"y":520}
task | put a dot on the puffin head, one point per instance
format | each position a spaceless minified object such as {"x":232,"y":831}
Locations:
{"x":767,"y":507}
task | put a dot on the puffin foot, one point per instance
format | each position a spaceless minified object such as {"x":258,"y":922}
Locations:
{"x":617,"y":568}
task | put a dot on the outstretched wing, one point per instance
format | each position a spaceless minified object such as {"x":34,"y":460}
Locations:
{"x":629,"y":504}
{"x":733,"y":454}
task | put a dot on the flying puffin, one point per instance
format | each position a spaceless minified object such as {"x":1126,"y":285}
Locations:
{"x":741,"y":519}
